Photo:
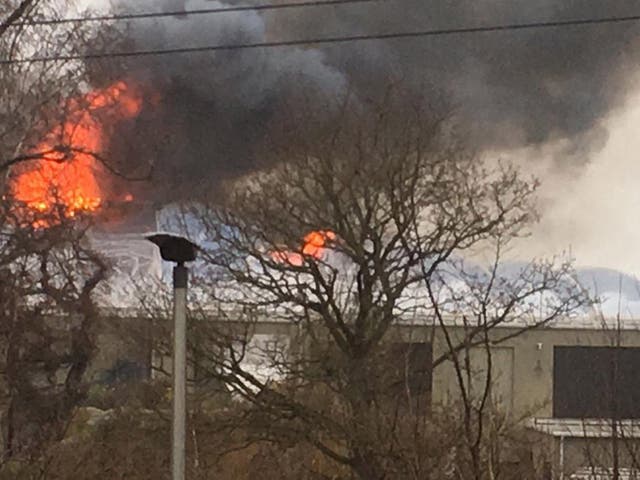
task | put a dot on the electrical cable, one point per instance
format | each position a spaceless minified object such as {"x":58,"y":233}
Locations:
{"x":329,"y":40}
{"x":183,"y":13}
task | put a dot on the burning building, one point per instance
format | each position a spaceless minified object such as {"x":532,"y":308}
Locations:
{"x":206,"y":114}
{"x":65,"y":178}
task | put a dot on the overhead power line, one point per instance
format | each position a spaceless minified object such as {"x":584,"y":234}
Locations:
{"x":185,"y":13}
{"x":331,"y":40}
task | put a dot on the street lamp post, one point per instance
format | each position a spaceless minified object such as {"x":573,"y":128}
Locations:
{"x":178,"y":250}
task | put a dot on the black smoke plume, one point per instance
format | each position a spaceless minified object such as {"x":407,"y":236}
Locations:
{"x":506,"y":89}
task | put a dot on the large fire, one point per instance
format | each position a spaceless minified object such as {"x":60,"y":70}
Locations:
{"x":314,"y":245}
{"x":64,"y":177}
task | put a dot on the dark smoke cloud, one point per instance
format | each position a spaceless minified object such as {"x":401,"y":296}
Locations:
{"x":510,"y":88}
{"x":212,"y":108}
{"x":507,"y":89}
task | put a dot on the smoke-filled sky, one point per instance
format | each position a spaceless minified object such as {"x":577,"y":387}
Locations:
{"x":561,"y":100}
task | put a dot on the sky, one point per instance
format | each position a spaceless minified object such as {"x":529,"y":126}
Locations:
{"x":595,"y":212}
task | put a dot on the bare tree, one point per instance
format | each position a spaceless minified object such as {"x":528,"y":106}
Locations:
{"x":15,"y":13}
{"x":48,"y":319}
{"x":482,"y":300}
{"x":48,"y":269}
{"x":45,"y":104}
{"x":32,"y":91}
{"x":610,"y":445}
{"x":366,"y":227}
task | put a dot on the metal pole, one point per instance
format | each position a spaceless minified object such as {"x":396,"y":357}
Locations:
{"x":180,"y":280}
{"x":562,"y":457}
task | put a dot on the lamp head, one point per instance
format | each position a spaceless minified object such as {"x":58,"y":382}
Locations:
{"x":174,"y":248}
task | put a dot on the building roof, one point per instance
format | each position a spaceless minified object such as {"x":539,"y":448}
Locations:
{"x":137,"y":266}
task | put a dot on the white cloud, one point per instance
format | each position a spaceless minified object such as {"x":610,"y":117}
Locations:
{"x":594,"y":211}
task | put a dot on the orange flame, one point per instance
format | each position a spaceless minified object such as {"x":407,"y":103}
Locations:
{"x":65,"y":176}
{"x":314,"y":245}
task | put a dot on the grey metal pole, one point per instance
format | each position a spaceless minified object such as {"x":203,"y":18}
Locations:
{"x":180,"y":281}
